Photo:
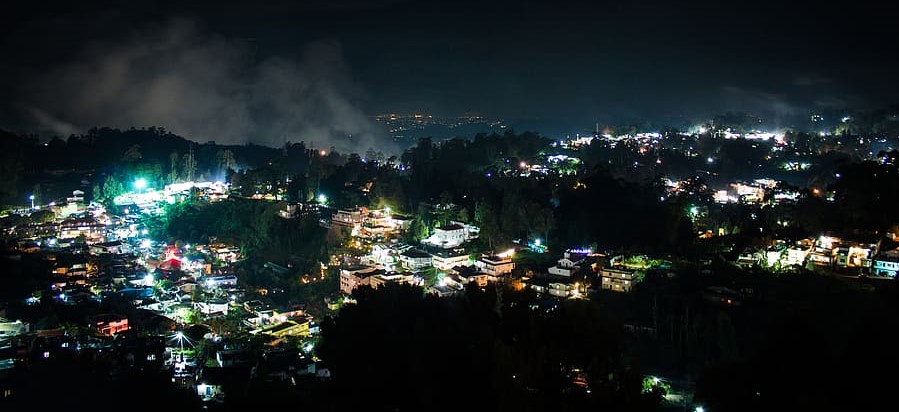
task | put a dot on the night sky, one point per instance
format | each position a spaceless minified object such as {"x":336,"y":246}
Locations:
{"x":260,"y":72}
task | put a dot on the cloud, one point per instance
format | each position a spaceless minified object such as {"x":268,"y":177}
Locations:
{"x":737,"y":98}
{"x":205,"y":87}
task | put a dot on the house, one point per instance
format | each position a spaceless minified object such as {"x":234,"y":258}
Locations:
{"x":773,"y":254}
{"x":557,"y":286}
{"x":282,"y":314}
{"x":380,"y":254}
{"x":355,"y":276}
{"x":886,"y":264}
{"x":749,"y":258}
{"x":90,"y":228}
{"x":381,"y":279}
{"x":213,"y":306}
{"x":463,"y":275}
{"x":446,"y":259}
{"x":617,"y":279}
{"x":401,"y":222}
{"x":255,"y":306}
{"x":569,"y":264}
{"x":442,"y":291}
{"x":115,"y":248}
{"x":220,"y":281}
{"x":494,"y":265}
{"x":9,"y":328}
{"x":448,"y":236}
{"x":821,"y":257}
{"x":795,"y":255}
{"x":452,"y":235}
{"x":293,"y":327}
{"x":349,"y":218}
{"x":415,"y":260}
{"x":109,"y":324}
{"x":233,"y":357}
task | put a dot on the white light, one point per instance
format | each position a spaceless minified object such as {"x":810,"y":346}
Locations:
{"x":537,"y":242}
{"x":140,"y":183}
{"x":710,"y":160}
{"x":148,"y":279}
{"x":322,"y":198}
{"x":700,"y":409}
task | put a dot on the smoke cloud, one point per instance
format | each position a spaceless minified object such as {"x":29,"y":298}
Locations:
{"x":205,"y":87}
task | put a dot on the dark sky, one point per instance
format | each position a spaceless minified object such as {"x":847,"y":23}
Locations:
{"x":556,"y":64}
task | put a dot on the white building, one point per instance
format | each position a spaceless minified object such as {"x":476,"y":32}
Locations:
{"x":452,"y":235}
{"x":450,"y":258}
{"x":415,"y":260}
{"x":794,"y":255}
{"x":568,"y":264}
{"x":617,"y":279}
{"x":495,"y":266}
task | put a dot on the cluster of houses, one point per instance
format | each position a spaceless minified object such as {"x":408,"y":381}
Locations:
{"x":875,"y":258}
{"x":368,"y":223}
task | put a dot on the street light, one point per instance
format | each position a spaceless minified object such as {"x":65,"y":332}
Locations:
{"x":31,"y":198}
{"x":140,"y":183}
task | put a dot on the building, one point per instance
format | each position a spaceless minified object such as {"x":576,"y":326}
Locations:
{"x":446,"y":259}
{"x":749,"y":258}
{"x":109,"y":324}
{"x":220,"y":281}
{"x":213,"y":306}
{"x":293,"y":327}
{"x":355,"y":276}
{"x":9,"y":328}
{"x":617,"y":279}
{"x":452,"y":235}
{"x":350,"y":218}
{"x":90,"y":228}
{"x":557,"y":286}
{"x":794,"y":255}
{"x":449,"y":236}
{"x":569,"y":264}
{"x":379,"y":280}
{"x":495,"y":266}
{"x":443,"y":291}
{"x":415,"y":260}
{"x":886,"y":264}
{"x":115,"y":248}
{"x":463,"y":275}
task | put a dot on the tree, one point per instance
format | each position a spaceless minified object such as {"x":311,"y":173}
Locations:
{"x":132,"y":154}
{"x":173,"y":166}
{"x":224,"y":161}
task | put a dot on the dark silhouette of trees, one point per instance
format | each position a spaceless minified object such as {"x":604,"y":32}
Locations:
{"x":400,"y":349}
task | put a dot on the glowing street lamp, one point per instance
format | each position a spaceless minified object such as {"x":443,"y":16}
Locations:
{"x":31,"y":198}
{"x":322,"y":198}
{"x":140,"y":183}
